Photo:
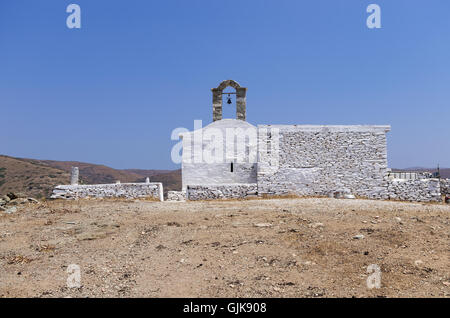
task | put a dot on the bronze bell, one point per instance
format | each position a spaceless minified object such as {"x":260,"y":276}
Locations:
{"x":229,"y":100}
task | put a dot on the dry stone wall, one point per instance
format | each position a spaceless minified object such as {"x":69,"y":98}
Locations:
{"x":121,"y":190}
{"x":421,"y":190}
{"x":445,"y":186}
{"x":223,"y":191}
{"x":176,"y":195}
{"x":319,"y":160}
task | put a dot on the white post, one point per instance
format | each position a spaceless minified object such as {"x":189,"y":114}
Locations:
{"x":161,"y":192}
{"x":74,"y":176}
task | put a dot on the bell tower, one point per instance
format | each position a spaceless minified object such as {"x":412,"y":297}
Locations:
{"x":240,"y":99}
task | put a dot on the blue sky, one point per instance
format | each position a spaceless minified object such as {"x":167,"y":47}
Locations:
{"x":113,"y":91}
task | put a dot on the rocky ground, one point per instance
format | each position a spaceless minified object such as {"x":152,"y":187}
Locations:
{"x":10,"y":201}
{"x":255,"y":248}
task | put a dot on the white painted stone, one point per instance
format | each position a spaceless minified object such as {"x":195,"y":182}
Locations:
{"x":196,"y":170}
{"x":74,"y":177}
{"x":125,"y":190}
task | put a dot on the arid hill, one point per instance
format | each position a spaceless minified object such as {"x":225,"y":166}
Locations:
{"x":37,"y":178}
{"x":31,"y":178}
{"x":95,"y":174}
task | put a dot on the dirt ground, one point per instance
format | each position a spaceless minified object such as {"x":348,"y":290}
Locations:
{"x":252,"y":248}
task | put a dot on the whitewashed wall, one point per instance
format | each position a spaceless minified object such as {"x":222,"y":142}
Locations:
{"x":197,"y":170}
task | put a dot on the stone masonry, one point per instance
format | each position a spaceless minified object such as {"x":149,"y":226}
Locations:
{"x":118,"y":190}
{"x":224,"y":191}
{"x":423,"y":190}
{"x":240,"y":99}
{"x":176,"y":196}
{"x":317,"y":160}
{"x":445,"y":186}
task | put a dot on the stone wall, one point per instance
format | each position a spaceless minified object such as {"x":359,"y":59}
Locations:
{"x":318,"y":160}
{"x":121,"y":190}
{"x":445,"y":186}
{"x":421,"y":190}
{"x":223,"y":191}
{"x":176,"y":196}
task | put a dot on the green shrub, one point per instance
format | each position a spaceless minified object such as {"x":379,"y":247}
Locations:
{"x":2,"y":171}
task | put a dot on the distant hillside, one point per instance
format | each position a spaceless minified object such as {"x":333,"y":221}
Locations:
{"x":171,"y":180}
{"x":92,"y":173}
{"x":37,"y":178}
{"x":33,"y":179}
{"x":147,"y":173}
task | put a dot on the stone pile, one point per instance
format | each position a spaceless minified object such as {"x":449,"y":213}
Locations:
{"x":9,"y":202}
{"x":176,"y":196}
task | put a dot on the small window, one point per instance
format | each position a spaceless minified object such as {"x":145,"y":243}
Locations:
{"x":231,"y":169}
